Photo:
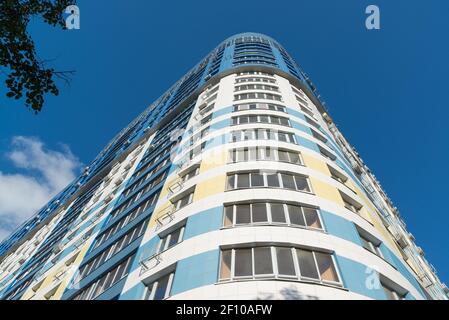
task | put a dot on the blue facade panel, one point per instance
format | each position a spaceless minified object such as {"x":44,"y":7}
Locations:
{"x":307,"y":143}
{"x":359,"y":278}
{"x":340,"y":227}
{"x":196,"y":271}
{"x":203,"y":222}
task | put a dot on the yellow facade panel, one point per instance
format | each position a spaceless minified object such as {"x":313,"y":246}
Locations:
{"x":49,"y":280}
{"x":315,"y":164}
{"x":326,"y":191}
{"x":210,"y":187}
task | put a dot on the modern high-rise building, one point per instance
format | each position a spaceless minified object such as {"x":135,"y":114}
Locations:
{"x":234,"y":184}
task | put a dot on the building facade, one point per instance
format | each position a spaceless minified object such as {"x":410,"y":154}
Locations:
{"x":234,"y":184}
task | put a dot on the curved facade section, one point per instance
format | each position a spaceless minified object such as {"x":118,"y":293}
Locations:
{"x":234,"y":184}
{"x":272,"y":209}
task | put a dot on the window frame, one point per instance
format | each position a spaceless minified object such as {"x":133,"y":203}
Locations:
{"x":259,"y":106}
{"x":258,"y":95}
{"x":164,"y":241}
{"x":266,"y":184}
{"x":269,"y":215}
{"x":150,"y":293}
{"x":188,"y":175}
{"x":350,"y":204}
{"x":391,"y":292}
{"x":326,"y":153}
{"x":261,"y":134}
{"x":260,"y":153}
{"x":271,"y":119}
{"x":178,"y":202}
{"x":369,"y":244}
{"x":256,"y":86}
{"x":337,"y":175}
{"x":275,"y":266}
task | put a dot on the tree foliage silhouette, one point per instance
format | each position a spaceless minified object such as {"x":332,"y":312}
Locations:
{"x":26,"y":75}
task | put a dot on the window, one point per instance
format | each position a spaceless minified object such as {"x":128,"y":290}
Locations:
{"x":312,"y":218}
{"x":294,"y":157}
{"x":337,"y":175}
{"x":106,"y":281}
{"x":112,"y":250}
{"x":391,"y":294}
{"x":171,"y":239}
{"x":259,"y":106}
{"x":257,"y":95}
{"x":197,"y":136}
{"x":298,"y":92}
{"x":243,"y":263}
{"x":256,"y":87}
{"x":259,"y":212}
{"x":277,"y":213}
{"x":326,"y":267}
{"x":284,"y":121}
{"x":282,"y":137}
{"x":300,"y":97}
{"x":245,"y":135}
{"x":369,"y":243}
{"x":260,"y":119}
{"x":278,"y":262}
{"x":153,"y":181}
{"x":124,"y":221}
{"x":264,"y":153}
{"x":160,"y":289}
{"x":268,"y":179}
{"x":228,"y":216}
{"x":254,"y":79}
{"x":231,"y":182}
{"x":242,"y":214}
{"x":257,"y":179}
{"x":263,"y":264}
{"x":142,"y":174}
{"x":304,"y":109}
{"x":254,"y":72}
{"x":296,"y":215}
{"x":283,"y":156}
{"x":350,"y":204}
{"x":284,"y":259}
{"x":206,"y":119}
{"x":190,"y":174}
{"x":263,"y":213}
{"x":301,"y":183}
{"x":307,"y":264}
{"x":288,"y":181}
{"x":243,"y":180}
{"x":184,"y":200}
{"x":327,"y":154}
{"x":206,"y":109}
{"x":240,"y":155}
{"x":262,"y":134}
{"x":255,"y":119}
{"x":225,"y":266}
{"x":318,"y":136}
{"x":196,"y":150}
{"x":267,"y":153}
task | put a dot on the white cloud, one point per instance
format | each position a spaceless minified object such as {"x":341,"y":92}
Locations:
{"x":42,"y":174}
{"x":4,"y":233}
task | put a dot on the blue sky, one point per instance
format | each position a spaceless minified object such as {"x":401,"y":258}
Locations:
{"x":386,"y":89}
